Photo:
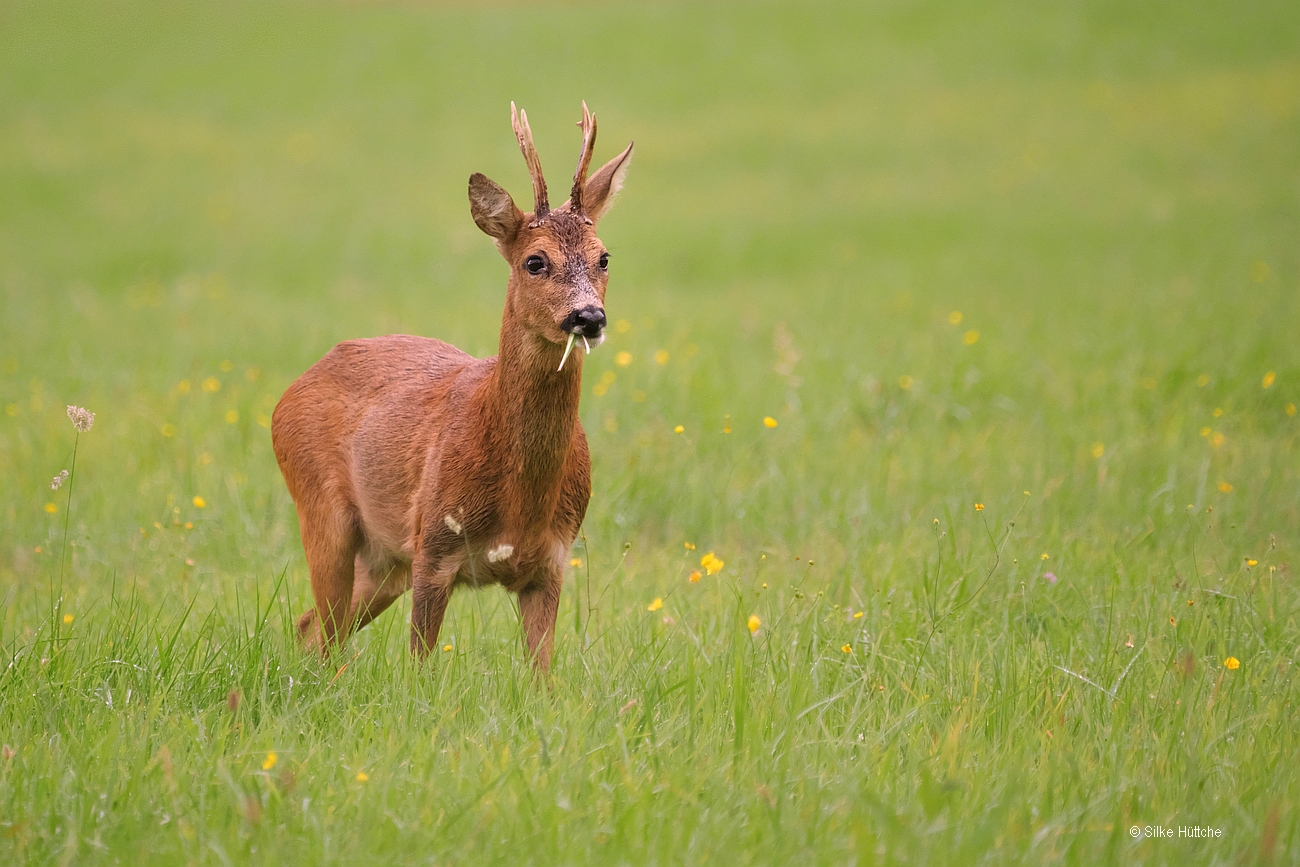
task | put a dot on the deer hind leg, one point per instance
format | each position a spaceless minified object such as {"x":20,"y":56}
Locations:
{"x":539,"y":604}
{"x":331,"y":541}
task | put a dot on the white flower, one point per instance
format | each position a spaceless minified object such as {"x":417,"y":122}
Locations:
{"x":59,"y":480}
{"x":82,"y":418}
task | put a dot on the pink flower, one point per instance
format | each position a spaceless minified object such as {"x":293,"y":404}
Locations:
{"x":1050,"y":576}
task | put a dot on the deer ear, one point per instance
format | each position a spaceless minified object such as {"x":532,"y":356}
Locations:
{"x":492,"y":208}
{"x":598,"y":195}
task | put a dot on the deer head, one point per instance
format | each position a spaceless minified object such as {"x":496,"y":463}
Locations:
{"x":558,"y":267}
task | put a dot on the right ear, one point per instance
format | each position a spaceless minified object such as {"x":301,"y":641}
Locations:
{"x":492,"y":208}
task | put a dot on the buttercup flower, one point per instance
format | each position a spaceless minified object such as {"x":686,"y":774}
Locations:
{"x":754,"y":623}
{"x":656,"y":605}
{"x":1232,"y":663}
{"x":712,"y":565}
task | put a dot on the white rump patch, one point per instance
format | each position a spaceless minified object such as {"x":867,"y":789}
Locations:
{"x":500,"y":552}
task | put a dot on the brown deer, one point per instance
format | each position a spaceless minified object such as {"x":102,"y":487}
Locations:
{"x":415,"y":465}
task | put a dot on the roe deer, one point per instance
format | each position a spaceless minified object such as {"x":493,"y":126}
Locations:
{"x":415,"y":465}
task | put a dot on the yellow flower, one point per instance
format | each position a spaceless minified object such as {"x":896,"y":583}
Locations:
{"x":726,"y":424}
{"x":1098,"y":449}
{"x":1218,"y":412}
{"x":1205,"y":431}
{"x":232,"y":416}
{"x":955,"y":317}
{"x":576,"y":562}
{"x":1045,"y":556}
{"x":1251,"y":561}
{"x":661,"y":356}
{"x":1290,"y":409}
{"x":678,"y":429}
{"x":979,"y":507}
{"x":690,"y":546}
{"x":226,"y":365}
{"x":183,"y":386}
{"x":753,"y":623}
{"x":1225,"y":487}
{"x":67,"y":618}
{"x":200,"y":503}
{"x":212,"y":384}
{"x":51,"y":508}
{"x":1267,"y":381}
{"x":1217,"y":440}
{"x":859,"y":614}
{"x":1232,"y":663}
{"x":623,"y":359}
{"x":656,"y":605}
{"x":362,"y":776}
{"x":252,"y":374}
{"x":189,"y":525}
{"x":847,"y":649}
{"x":1203,"y":380}
{"x":622,"y":326}
{"x":970,"y":338}
{"x":694,"y":577}
{"x":768,"y":421}
{"x":269,"y":761}
{"x":446,"y":648}
{"x":1172,"y":621}
{"x":905,"y":382}
{"x":712,"y":565}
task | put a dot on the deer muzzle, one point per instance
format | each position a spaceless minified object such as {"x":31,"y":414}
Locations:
{"x":588,"y":322}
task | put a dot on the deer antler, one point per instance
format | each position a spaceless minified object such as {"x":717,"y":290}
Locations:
{"x":519,"y":120}
{"x":588,"y":124}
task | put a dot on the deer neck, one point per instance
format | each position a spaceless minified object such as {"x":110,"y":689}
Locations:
{"x":534,"y":410}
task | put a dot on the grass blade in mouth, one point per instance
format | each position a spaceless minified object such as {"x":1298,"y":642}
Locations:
{"x":567,"y":348}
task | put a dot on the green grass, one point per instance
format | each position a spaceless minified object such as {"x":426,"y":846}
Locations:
{"x":1109,"y":195}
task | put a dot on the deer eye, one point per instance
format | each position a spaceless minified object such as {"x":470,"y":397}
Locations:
{"x":603,"y":261}
{"x":535,"y":264}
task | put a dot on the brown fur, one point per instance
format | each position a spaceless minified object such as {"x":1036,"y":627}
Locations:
{"x":413,"y":464}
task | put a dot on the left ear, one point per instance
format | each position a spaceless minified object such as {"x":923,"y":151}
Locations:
{"x":598,"y":195}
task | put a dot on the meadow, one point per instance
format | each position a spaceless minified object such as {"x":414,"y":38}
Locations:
{"x":946,"y":485}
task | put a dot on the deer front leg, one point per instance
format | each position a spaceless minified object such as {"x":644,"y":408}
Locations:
{"x":539,"y":604}
{"x":432,"y":584}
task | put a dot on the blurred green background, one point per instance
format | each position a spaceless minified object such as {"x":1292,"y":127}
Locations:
{"x":958,"y":251}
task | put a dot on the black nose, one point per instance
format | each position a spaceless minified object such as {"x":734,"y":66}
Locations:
{"x":587,"y":322}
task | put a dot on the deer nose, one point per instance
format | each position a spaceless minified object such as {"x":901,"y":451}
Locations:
{"x":587,"y":322}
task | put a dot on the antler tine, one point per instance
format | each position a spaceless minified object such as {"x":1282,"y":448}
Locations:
{"x":519,"y":120}
{"x":588,"y":124}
